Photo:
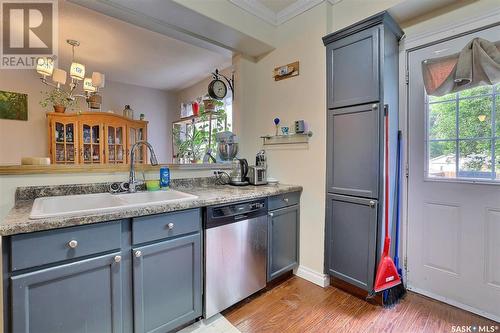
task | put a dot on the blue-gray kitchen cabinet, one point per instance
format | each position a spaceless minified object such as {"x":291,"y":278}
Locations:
{"x":351,"y":237}
{"x":167,"y":284}
{"x":283,"y":234}
{"x":82,"y":296}
{"x":353,"y":69}
{"x":353,"y":152}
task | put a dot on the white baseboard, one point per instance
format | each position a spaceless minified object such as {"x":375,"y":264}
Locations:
{"x":455,"y":303}
{"x":310,"y":275}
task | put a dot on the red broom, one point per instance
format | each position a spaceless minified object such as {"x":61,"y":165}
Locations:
{"x":387,"y":274}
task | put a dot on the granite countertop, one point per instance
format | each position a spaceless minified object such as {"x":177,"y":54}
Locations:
{"x":18,"y":221}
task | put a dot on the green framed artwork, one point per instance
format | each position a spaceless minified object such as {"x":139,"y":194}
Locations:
{"x":13,"y":105}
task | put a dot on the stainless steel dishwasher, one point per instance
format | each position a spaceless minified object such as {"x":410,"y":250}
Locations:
{"x":235,"y":253}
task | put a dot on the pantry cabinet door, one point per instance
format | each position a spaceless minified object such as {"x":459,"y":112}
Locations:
{"x":353,"y":69}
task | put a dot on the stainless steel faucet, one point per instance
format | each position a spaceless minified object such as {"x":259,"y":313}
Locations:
{"x":132,"y":181}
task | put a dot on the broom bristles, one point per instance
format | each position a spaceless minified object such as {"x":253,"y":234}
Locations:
{"x":393,"y":295}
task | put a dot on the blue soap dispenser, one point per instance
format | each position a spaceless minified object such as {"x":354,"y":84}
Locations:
{"x":164,"y":177}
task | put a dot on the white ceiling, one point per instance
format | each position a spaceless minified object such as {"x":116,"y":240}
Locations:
{"x":277,"y":5}
{"x":130,"y":54}
{"x":411,"y":9}
{"x":277,"y":12}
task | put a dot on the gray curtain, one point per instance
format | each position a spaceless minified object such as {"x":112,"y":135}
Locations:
{"x":476,"y":65}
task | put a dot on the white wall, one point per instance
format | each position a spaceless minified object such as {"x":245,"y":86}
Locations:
{"x":259,"y":99}
{"x":159,"y":107}
{"x":302,"y":97}
{"x":29,"y":138}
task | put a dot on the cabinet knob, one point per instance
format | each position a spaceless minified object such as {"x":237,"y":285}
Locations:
{"x":170,"y":226}
{"x":271,"y":214}
{"x":372,"y":203}
{"x":285,"y":199}
{"x":374,"y":106}
{"x":118,"y":259}
{"x":73,"y":244}
{"x":137,"y":254}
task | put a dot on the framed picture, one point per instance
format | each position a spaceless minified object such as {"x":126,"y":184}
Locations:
{"x":13,"y":105}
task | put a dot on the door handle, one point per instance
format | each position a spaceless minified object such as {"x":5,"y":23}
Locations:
{"x":240,"y":217}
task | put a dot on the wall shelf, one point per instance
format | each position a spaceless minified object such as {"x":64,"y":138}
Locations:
{"x":295,"y":138}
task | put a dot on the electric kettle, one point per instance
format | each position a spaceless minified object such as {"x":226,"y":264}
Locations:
{"x":239,"y":172}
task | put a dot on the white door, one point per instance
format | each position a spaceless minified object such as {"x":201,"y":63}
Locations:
{"x":453,"y":231}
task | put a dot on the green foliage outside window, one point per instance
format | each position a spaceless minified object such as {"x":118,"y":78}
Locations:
{"x":193,"y":139}
{"x":472,"y":126}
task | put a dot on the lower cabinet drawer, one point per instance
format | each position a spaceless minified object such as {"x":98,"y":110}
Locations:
{"x":161,"y":226}
{"x":45,"y":247}
{"x":283,"y":200}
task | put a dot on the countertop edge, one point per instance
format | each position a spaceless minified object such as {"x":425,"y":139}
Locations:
{"x":8,"y":228}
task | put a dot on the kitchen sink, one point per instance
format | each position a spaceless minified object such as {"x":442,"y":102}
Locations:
{"x":148,"y":198}
{"x":85,"y":204}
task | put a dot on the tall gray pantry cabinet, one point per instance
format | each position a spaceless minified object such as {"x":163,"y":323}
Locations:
{"x":362,"y":87}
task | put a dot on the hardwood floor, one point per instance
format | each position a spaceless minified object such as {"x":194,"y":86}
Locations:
{"x":298,"y":305}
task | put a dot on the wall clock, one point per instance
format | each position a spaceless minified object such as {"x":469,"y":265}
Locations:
{"x":217,"y":89}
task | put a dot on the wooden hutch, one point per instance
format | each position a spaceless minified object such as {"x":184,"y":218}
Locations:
{"x":94,"y":138}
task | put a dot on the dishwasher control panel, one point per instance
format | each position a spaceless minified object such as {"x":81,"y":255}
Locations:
{"x":228,"y":213}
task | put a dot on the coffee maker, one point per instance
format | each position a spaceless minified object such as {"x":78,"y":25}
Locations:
{"x":239,"y":172}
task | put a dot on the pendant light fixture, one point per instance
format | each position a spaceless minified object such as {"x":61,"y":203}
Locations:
{"x":77,"y":70}
{"x":91,"y":85}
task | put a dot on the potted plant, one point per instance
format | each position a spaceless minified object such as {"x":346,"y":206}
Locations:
{"x":58,"y":99}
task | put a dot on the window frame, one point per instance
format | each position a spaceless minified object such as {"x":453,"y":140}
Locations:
{"x":494,"y":138}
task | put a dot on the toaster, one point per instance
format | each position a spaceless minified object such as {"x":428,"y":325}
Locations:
{"x":257,"y":175}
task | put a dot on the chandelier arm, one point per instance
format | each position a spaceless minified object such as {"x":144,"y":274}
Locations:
{"x":44,"y":80}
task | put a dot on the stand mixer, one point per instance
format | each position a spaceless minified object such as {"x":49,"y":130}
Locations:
{"x":227,"y":146}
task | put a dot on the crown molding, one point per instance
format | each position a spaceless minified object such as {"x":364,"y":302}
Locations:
{"x":256,"y":8}
{"x":296,"y":8}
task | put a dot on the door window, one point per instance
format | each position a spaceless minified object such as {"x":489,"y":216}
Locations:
{"x":463,"y":135}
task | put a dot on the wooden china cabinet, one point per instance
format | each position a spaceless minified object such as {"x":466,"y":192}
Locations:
{"x":94,"y":138}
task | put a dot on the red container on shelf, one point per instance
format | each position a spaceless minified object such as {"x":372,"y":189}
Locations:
{"x":196,"y":108}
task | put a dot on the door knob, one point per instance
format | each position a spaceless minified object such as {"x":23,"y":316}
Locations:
{"x":137,"y":254}
{"x":170,"y":226}
{"x":271,"y":214}
{"x":73,"y":244}
{"x":285,"y":199}
{"x":372,"y":203}
{"x":118,"y":259}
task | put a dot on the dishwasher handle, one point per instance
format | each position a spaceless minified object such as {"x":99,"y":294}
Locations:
{"x":225,"y":214}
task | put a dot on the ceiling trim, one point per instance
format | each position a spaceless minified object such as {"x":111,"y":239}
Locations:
{"x":258,"y":9}
{"x":295,"y":9}
{"x":261,"y":11}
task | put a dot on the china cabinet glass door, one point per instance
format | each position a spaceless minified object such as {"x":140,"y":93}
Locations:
{"x":137,"y":134}
{"x":115,"y":135}
{"x":91,"y":146}
{"x":64,"y":147}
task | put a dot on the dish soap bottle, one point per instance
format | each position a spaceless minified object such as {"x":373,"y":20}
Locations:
{"x":164,"y":177}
